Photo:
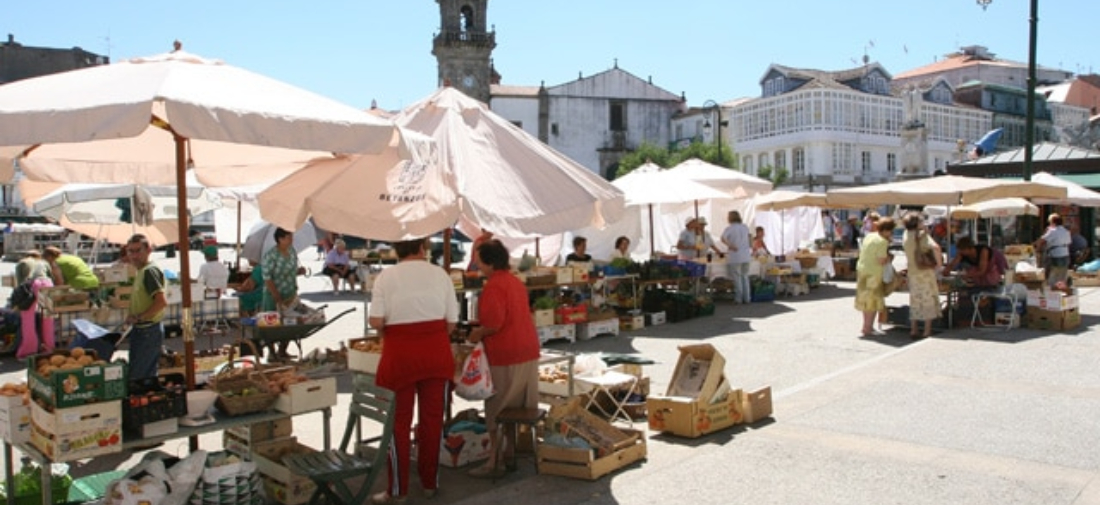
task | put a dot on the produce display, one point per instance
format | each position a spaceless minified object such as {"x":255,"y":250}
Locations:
{"x":75,"y":359}
{"x":553,"y":374}
{"x":374,"y":346}
{"x":280,"y":381}
{"x":9,"y":389}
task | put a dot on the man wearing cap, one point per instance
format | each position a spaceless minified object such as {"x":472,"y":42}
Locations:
{"x":694,"y":241}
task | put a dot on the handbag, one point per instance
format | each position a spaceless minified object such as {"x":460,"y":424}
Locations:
{"x":475,"y":381}
{"x":22,"y":297}
{"x":926,"y":256}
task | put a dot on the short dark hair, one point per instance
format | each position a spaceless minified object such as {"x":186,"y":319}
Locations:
{"x":407,"y":248}
{"x":138,"y":238}
{"x":1055,"y":219}
{"x":912,"y":221}
{"x":735,"y":217}
{"x":622,"y":239}
{"x":577,"y":241}
{"x":964,"y":243}
{"x":280,"y":233}
{"x":494,"y":254}
{"x":885,"y":224}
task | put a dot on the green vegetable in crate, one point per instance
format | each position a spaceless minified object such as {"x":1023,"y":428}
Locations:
{"x":621,"y":263}
{"x":545,"y":302}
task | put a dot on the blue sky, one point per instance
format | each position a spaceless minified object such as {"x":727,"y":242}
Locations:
{"x":357,"y":51}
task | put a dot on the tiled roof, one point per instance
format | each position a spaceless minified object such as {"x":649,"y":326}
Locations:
{"x":826,"y":79}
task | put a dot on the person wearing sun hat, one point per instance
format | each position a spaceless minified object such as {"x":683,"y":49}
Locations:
{"x":685,"y":244}
{"x":703,"y":243}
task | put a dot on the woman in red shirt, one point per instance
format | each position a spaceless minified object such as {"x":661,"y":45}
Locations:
{"x":511,"y":345}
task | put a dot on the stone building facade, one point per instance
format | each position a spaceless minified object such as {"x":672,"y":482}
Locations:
{"x":463,"y":48}
{"x":22,"y":62}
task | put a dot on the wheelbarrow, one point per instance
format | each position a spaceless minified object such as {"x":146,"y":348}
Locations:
{"x":263,"y":335}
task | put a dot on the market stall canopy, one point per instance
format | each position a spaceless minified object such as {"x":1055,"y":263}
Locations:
{"x":942,"y":190}
{"x":721,"y":178}
{"x":193,"y":98}
{"x":1076,"y":194}
{"x":399,"y":194}
{"x":1001,"y":207}
{"x":651,"y":184}
{"x":506,"y":180}
{"x":783,"y":199}
{"x":114,"y":212}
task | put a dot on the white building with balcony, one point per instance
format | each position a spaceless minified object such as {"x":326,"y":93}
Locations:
{"x":845,"y":127}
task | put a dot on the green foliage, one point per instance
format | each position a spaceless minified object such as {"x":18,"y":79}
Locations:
{"x":665,"y":158}
{"x":781,"y":175}
{"x":545,"y":303}
{"x":765,"y":172}
{"x":776,"y":175}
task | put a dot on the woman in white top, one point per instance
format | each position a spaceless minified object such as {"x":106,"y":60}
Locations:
{"x":622,"y":248}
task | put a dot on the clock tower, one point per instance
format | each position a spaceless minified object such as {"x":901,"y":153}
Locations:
{"x":463,"y":47}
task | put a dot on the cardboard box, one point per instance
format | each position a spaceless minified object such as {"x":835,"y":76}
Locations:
{"x":158,"y":428}
{"x":592,"y":329}
{"x":293,"y":493}
{"x":1052,"y":320}
{"x":584,"y":464}
{"x":69,"y":388}
{"x":693,"y":418}
{"x":63,"y":299}
{"x":571,"y":419}
{"x":306,"y":396}
{"x":580,"y":274}
{"x":631,"y":323}
{"x":1085,"y":279}
{"x":563,"y":275}
{"x":362,"y":361}
{"x":655,"y":318}
{"x":543,"y":317}
{"x":15,"y":419}
{"x":1009,"y":318}
{"x":557,"y":331}
{"x":261,"y":432}
{"x":698,"y":372}
{"x":1057,"y":300}
{"x":268,"y":457}
{"x":110,"y":274}
{"x":571,"y":314}
{"x":68,"y":434}
{"x":756,"y":405}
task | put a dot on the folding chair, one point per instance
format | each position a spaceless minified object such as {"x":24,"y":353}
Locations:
{"x":331,"y":469}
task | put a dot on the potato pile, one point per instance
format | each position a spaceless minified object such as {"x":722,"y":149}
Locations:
{"x":60,"y":362}
{"x":553,"y":374}
{"x":374,"y":346}
{"x":280,"y":382}
{"x":9,"y":389}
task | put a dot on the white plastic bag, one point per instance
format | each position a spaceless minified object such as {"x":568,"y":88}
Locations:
{"x":888,"y":272}
{"x":475,"y":382}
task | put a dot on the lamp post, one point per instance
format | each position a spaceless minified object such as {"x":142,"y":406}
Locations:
{"x":1029,"y":128}
{"x":712,"y":107}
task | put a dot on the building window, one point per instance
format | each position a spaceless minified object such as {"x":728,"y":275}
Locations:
{"x":865,"y":161}
{"x":892,"y":163}
{"x":798,"y":157}
{"x":554,"y":128}
{"x":618,"y":116}
{"x":762,"y":160}
{"x":748,"y":164}
{"x":780,"y":159}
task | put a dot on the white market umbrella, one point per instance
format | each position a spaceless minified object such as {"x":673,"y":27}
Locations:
{"x":721,"y":178}
{"x":1001,"y":207}
{"x":943,"y":190}
{"x":1076,"y":194}
{"x":651,"y":185}
{"x":399,"y":194}
{"x":261,"y":238}
{"x":508,"y":181}
{"x":781,"y":199}
{"x":191,"y":97}
{"x":114,"y":212}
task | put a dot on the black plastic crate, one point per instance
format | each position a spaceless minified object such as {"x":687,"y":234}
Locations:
{"x":153,"y":400}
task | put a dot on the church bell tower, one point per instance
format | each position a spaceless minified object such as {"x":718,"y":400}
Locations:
{"x":464,"y":46}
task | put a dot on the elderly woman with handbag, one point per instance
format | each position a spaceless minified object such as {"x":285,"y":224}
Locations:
{"x":874,"y":255}
{"x":923,"y":255}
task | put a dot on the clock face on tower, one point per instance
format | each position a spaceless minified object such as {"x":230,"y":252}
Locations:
{"x":468,"y":81}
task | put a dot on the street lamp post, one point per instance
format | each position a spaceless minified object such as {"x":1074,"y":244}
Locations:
{"x":712,"y":107}
{"x":1029,"y":128}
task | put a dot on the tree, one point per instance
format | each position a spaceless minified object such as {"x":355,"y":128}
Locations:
{"x":665,"y":158}
{"x":777,"y":175}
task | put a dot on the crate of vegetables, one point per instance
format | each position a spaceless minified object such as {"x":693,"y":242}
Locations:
{"x":152,"y":400}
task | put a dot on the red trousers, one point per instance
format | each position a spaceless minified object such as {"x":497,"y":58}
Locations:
{"x":430,"y":396}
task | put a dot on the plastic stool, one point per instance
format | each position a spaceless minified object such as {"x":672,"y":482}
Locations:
{"x":517,"y":418}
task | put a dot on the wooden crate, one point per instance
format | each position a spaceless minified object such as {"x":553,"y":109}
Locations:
{"x":584,"y":464}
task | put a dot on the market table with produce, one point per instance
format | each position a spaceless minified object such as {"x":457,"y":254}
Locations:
{"x":75,"y":406}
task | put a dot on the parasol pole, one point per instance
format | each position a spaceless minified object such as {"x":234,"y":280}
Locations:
{"x":652,"y":251}
{"x":447,"y":236}
{"x":238,"y":235}
{"x":185,"y":261}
